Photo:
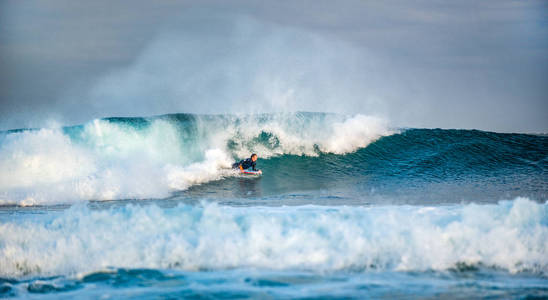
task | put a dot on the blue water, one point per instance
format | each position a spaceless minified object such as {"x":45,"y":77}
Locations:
{"x":348,"y":207}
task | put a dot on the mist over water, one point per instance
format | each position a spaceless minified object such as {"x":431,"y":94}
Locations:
{"x":465,"y":65}
{"x":241,"y":66}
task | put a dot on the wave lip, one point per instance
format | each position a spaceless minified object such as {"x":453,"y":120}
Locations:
{"x":511,"y":235}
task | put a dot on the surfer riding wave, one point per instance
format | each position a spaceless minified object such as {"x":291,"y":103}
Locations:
{"x":247,"y":165}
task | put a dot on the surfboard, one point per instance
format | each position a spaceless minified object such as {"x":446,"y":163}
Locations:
{"x":251,"y":172}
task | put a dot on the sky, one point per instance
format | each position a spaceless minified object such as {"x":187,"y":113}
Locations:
{"x":448,"y":64}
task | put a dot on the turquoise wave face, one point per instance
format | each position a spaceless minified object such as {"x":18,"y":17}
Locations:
{"x":325,"y":157}
{"x":421,"y":166}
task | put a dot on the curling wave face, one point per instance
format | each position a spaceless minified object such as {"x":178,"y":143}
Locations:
{"x":510,"y":235}
{"x":120,"y":158}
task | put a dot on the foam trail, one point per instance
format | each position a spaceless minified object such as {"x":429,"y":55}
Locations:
{"x":512,"y":235}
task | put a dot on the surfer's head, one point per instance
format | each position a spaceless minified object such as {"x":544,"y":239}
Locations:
{"x":253,"y":157}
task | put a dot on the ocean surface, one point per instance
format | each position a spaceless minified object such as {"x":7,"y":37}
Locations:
{"x":347,"y":207}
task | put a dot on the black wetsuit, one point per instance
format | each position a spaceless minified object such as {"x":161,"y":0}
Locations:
{"x":246,"y":164}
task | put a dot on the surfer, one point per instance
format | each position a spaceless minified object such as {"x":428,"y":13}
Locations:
{"x":247,"y":163}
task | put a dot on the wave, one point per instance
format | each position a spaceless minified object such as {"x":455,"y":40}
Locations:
{"x":510,"y":235}
{"x":141,"y":158}
{"x":120,"y":158}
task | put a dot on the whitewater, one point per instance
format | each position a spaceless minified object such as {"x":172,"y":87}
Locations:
{"x":347,"y":207}
{"x":139,"y":158}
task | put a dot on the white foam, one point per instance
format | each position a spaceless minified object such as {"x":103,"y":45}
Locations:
{"x":354,"y":133}
{"x":511,"y":235}
{"x":108,"y":160}
{"x":212,"y":168}
{"x":41,"y":157}
{"x":300,"y":135}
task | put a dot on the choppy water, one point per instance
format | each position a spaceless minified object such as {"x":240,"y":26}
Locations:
{"x":347,"y":208}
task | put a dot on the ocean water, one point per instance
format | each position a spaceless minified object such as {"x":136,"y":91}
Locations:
{"x":347,"y":207}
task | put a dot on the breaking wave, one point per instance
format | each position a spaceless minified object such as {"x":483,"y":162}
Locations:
{"x":143,"y":158}
{"x":120,"y":158}
{"x":510,"y":235}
